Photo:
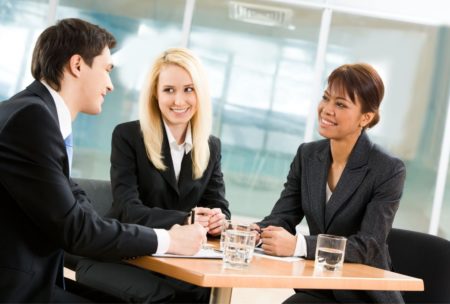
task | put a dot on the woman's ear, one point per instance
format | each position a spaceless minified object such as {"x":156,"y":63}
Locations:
{"x":74,"y":65}
{"x":366,"y":119}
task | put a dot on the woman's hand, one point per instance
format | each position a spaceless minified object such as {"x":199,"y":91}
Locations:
{"x":202,"y":216}
{"x":215,"y":221}
{"x":255,"y":227}
{"x":277,"y":241}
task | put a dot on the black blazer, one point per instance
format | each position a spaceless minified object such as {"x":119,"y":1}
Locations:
{"x":147,"y":196}
{"x":42,"y":211}
{"x":362,"y":206}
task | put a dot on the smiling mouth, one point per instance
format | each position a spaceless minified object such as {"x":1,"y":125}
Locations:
{"x":179,"y":111}
{"x":327,"y":122}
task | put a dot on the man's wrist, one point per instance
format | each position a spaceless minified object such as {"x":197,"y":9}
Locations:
{"x":163,"y":238}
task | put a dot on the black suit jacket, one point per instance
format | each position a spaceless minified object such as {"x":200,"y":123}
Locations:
{"x":362,"y":206}
{"x":42,"y":211}
{"x":147,"y":196}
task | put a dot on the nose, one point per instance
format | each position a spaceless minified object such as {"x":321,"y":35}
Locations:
{"x":109,"y":85}
{"x":328,"y":109}
{"x":179,"y":99}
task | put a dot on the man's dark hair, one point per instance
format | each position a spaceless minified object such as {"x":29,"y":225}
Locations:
{"x":58,"y":43}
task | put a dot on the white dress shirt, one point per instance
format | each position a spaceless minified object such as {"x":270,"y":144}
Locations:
{"x":65,"y":126}
{"x":64,"y":118}
{"x":178,"y":151}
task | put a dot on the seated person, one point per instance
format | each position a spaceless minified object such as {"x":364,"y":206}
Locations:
{"x":162,"y":166}
{"x":42,"y":211}
{"x":343,"y":185}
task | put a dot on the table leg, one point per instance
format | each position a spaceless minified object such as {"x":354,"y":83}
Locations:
{"x":220,"y":295}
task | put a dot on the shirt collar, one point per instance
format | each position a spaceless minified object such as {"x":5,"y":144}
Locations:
{"x":187,"y":145}
{"x":64,"y":118}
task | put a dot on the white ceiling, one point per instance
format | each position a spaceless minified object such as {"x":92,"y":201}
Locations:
{"x":436,"y":12}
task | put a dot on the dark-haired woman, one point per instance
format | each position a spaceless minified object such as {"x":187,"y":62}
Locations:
{"x":343,"y":185}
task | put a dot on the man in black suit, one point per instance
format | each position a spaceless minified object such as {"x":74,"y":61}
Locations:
{"x":42,"y":211}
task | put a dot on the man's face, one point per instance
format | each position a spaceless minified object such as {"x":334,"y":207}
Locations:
{"x":95,"y":83}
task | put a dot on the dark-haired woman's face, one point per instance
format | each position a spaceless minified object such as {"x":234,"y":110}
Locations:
{"x":339,"y":117}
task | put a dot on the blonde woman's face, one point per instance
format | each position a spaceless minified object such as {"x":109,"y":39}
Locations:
{"x":177,"y":99}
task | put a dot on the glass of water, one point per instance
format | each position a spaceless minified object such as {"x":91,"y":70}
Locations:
{"x":238,"y":248}
{"x":227,"y":225}
{"x":330,"y":251}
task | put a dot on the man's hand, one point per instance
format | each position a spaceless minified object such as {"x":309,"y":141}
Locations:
{"x":216,"y":221}
{"x":277,"y":241}
{"x":187,"y":239}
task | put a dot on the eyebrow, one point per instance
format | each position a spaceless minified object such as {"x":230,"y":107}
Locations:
{"x":338,"y":97}
{"x":171,"y":85}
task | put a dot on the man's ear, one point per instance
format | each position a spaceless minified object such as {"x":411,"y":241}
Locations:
{"x":74,"y":65}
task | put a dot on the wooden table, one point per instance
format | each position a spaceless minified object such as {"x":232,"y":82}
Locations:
{"x":270,"y":273}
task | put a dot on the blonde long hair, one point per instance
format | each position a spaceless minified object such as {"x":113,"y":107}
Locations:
{"x":150,"y":115}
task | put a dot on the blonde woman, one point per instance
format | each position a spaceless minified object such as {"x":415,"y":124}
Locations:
{"x":162,"y":167}
{"x":167,"y":163}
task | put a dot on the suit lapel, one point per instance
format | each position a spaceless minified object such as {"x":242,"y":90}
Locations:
{"x":317,"y":172}
{"x":352,"y":177}
{"x":169,"y":173}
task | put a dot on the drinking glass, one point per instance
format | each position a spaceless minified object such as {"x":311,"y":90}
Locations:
{"x":238,"y":248}
{"x":228,"y":224}
{"x":330,"y":251}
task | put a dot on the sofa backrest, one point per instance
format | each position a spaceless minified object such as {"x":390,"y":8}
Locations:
{"x":98,"y":191}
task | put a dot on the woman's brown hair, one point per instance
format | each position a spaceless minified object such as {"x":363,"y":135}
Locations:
{"x":360,"y":80}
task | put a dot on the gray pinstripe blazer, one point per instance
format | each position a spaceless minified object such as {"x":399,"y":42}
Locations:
{"x":362,"y":206}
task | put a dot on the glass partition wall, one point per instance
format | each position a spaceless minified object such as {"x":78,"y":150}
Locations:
{"x":260,"y":81}
{"x":261,"y":58}
{"x":17,"y":40}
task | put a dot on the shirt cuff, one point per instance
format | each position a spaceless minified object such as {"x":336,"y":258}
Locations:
{"x":300,"y":247}
{"x":163,"y":238}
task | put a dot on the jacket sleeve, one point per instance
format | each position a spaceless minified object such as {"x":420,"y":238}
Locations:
{"x":288,"y":212}
{"x":34,"y":151}
{"x":214,"y":194}
{"x":128,"y":206}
